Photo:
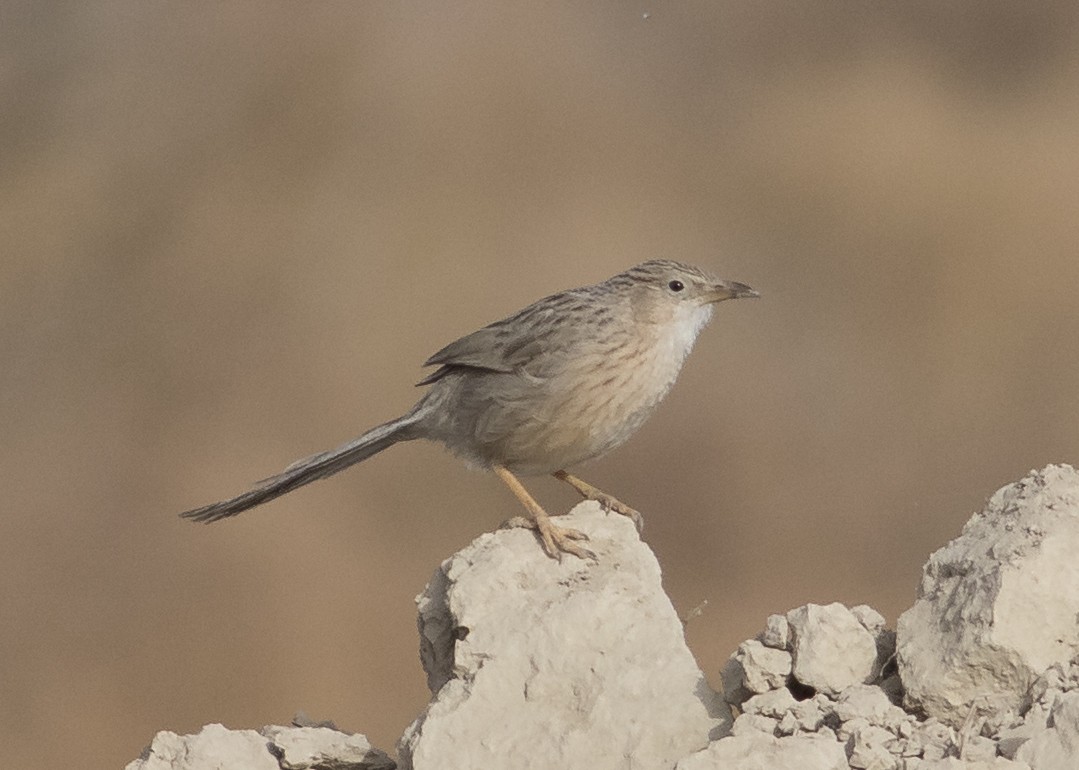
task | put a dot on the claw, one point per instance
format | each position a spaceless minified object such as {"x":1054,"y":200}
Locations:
{"x":555,"y":540}
{"x":609,"y":503}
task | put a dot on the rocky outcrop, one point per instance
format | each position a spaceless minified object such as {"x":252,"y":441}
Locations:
{"x":271,"y":748}
{"x":534,"y":663}
{"x":998,"y":605}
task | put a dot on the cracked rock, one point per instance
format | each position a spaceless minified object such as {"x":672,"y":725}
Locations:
{"x":996,"y":606}
{"x":754,"y":669}
{"x":1057,"y":746}
{"x":832,"y":650}
{"x":536,"y":663}
{"x":758,"y":751}
{"x":272,"y":748}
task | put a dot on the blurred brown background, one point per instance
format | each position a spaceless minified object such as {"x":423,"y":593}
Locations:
{"x":231,"y":233}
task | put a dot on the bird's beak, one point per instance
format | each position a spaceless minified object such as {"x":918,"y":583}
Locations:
{"x":731,"y":290}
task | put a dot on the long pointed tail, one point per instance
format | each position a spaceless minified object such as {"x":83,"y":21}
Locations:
{"x":312,"y":468}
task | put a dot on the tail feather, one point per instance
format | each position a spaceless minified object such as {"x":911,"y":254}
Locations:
{"x":310,"y":469}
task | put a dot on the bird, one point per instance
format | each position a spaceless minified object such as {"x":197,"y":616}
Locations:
{"x":560,"y":382}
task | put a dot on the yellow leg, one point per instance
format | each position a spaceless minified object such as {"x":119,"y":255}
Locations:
{"x":589,"y":492}
{"x":556,"y":540}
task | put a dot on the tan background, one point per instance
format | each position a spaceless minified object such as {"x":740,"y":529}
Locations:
{"x":231,"y":233}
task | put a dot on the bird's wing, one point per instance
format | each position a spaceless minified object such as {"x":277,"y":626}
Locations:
{"x":504,"y":346}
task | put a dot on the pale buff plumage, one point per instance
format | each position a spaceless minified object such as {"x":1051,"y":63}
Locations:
{"x":562,"y":381}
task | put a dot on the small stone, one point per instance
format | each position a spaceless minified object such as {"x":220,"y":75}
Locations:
{"x":869,"y":701}
{"x":831,"y":649}
{"x":776,"y":632}
{"x":850,"y":727}
{"x":977,"y":748}
{"x":754,"y":669}
{"x":871,"y":620}
{"x":754,"y":723}
{"x":936,"y":739}
{"x":304,"y":748}
{"x":213,"y":746}
{"x":808,"y":715}
{"x":868,"y":749}
{"x":954,"y":763}
{"x":788,"y":725}
{"x":1057,"y":746}
{"x":758,"y":751}
{"x":775,"y":703}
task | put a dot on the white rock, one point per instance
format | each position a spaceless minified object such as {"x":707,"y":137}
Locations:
{"x":213,"y":747}
{"x":977,"y":748}
{"x":776,"y":632}
{"x":537,"y":663}
{"x":954,"y":763}
{"x":775,"y":703}
{"x":832,"y":650}
{"x":754,"y":669}
{"x":850,"y":727}
{"x":304,"y":748}
{"x":808,"y":715}
{"x":871,"y":620}
{"x":272,"y":748}
{"x":1056,"y":748}
{"x":933,"y":739}
{"x":870,"y":702}
{"x":754,"y":723}
{"x":758,"y":751}
{"x":868,"y":749}
{"x":788,"y":725}
{"x":997,"y":605}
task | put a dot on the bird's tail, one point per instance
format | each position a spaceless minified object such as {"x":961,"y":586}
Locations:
{"x":312,"y":468}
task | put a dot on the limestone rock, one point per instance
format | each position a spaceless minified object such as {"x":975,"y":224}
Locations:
{"x":536,"y":663}
{"x":870,"y":703}
{"x":576,"y":664}
{"x":870,"y":748}
{"x":996,"y":606}
{"x":215,"y":746}
{"x":1057,"y":746}
{"x":755,"y":750}
{"x":774,"y":704}
{"x":777,"y":632}
{"x":314,"y":748}
{"x":754,"y":669}
{"x":954,"y":763}
{"x":272,"y":748}
{"x":832,"y":650}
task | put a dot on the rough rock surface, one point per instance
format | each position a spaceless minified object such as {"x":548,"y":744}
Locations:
{"x":759,"y":751}
{"x":536,"y":663}
{"x":272,"y":748}
{"x":998,"y":605}
{"x":791,"y":727}
{"x":831,"y":648}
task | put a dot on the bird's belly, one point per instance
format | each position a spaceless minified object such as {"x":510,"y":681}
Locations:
{"x":577,"y":418}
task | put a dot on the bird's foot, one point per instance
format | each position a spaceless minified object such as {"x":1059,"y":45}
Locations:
{"x":609,"y":502}
{"x":556,"y":540}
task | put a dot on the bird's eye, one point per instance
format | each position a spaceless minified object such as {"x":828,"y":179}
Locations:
{"x":676,"y":286}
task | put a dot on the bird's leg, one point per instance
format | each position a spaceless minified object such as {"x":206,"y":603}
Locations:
{"x":556,"y":540}
{"x":609,"y":503}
